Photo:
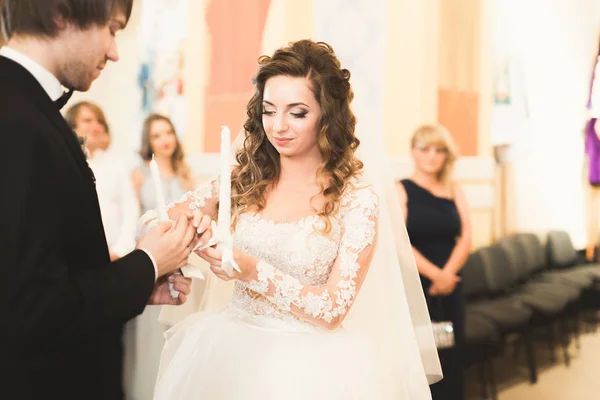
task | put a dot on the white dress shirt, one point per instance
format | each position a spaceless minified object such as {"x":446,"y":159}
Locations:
{"x":55,"y":90}
{"x":48,"y":81}
{"x":118,"y":202}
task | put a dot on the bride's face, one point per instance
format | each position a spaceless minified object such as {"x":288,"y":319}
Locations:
{"x":291,"y":116}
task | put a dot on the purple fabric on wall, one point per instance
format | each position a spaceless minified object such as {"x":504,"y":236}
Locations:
{"x":592,"y":149}
{"x":592,"y":142}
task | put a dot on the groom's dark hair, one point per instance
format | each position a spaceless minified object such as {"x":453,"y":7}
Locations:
{"x":40,"y":17}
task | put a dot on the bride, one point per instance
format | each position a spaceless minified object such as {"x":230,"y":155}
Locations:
{"x":327,"y":304}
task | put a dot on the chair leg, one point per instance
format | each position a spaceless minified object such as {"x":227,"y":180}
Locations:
{"x":492,"y":377}
{"x":552,"y":343}
{"x":484,"y":383}
{"x":577,"y":329}
{"x":564,"y":336}
{"x":529,"y":353}
{"x":516,"y":350}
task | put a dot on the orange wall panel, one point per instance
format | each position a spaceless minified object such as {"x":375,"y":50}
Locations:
{"x":459,"y":111}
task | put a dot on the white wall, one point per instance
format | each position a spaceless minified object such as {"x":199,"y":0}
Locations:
{"x":557,"y":41}
{"x":411,"y":76}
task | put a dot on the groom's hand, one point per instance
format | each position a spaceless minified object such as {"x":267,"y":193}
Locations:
{"x":200,"y":221}
{"x":170,"y":246}
{"x":161,"y":294}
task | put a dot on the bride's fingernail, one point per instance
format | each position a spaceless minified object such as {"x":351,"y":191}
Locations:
{"x":201,"y":229}
{"x":172,"y":278}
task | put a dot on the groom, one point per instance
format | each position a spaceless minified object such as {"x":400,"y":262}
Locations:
{"x":62,"y":302}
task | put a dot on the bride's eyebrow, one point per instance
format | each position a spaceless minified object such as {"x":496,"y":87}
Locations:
{"x":297,"y":104}
{"x":289,"y":105}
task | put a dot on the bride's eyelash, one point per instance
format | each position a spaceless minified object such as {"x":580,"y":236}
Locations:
{"x":295,"y":115}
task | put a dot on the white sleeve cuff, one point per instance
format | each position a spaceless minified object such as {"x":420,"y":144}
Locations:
{"x":153,"y":263}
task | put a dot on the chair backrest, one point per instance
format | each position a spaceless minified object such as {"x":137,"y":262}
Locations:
{"x":517,"y":256}
{"x":561,"y":253}
{"x":499,"y":273}
{"x":473,"y":277}
{"x":535,"y":252}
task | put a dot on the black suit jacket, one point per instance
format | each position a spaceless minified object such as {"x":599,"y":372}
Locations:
{"x":62,"y":302}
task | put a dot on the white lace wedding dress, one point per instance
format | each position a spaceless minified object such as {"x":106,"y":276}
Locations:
{"x":258,"y":347}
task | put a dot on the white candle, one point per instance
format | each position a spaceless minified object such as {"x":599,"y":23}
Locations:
{"x":161,"y":207}
{"x":225,"y":185}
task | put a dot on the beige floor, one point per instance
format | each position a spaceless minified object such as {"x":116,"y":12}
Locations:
{"x":580,"y":381}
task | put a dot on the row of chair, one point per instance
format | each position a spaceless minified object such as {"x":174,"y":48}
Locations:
{"x":519,"y":288}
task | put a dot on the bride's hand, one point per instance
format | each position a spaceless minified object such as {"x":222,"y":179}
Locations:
{"x":202,"y":223}
{"x":246,"y":263}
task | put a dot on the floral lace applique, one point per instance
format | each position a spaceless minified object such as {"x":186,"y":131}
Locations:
{"x":330,"y":300}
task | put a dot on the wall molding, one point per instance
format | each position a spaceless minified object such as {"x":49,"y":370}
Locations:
{"x":477,"y":175}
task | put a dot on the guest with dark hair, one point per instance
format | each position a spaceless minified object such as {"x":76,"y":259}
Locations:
{"x":159,"y":139}
{"x":144,"y":336}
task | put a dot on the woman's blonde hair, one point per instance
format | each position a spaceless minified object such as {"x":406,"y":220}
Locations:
{"x":430,"y":134}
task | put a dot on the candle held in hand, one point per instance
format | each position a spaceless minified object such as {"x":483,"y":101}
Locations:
{"x":161,"y":207}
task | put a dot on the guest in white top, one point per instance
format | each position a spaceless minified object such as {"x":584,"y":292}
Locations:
{"x":118,"y":202}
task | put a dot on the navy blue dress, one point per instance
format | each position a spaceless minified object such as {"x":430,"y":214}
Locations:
{"x":433,"y":225}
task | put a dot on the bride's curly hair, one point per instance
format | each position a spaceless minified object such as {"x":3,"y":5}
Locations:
{"x":258,"y":161}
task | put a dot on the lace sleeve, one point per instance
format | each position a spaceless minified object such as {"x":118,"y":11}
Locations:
{"x":203,"y":198}
{"x":327,"y":305}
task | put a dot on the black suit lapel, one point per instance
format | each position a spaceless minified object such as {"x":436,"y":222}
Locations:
{"x":14,"y":74}
{"x":66,"y":132}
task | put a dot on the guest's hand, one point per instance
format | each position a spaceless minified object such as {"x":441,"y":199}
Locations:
{"x":246,"y":263}
{"x":161,"y":294}
{"x":443,"y":283}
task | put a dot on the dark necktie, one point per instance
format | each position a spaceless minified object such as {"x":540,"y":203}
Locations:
{"x":62,"y":100}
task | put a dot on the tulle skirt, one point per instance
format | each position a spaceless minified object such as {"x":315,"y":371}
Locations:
{"x":232,"y":355}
